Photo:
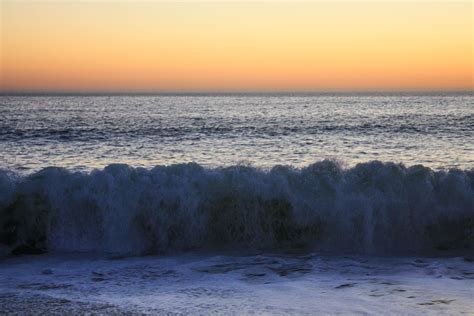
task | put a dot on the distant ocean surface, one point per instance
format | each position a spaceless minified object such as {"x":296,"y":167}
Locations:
{"x":87,"y":132}
{"x":239,"y":204}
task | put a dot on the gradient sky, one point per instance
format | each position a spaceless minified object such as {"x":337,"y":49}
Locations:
{"x":152,"y":46}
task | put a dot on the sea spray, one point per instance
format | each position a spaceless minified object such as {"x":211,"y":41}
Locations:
{"x":373,"y":208}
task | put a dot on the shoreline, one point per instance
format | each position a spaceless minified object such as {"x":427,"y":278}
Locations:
{"x":223,"y":283}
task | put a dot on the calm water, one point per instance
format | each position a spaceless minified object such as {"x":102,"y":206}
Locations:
{"x":86,"y":132}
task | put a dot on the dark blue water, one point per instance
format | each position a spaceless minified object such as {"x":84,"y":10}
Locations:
{"x":86,"y":132}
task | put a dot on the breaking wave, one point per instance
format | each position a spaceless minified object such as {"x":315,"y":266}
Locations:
{"x":373,"y":208}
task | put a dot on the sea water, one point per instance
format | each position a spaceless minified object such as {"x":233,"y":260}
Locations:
{"x":87,"y":132}
{"x":247,"y":203}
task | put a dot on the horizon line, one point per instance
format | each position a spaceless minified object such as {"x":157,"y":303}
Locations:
{"x":243,"y":92}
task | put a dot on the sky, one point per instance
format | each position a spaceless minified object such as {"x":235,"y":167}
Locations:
{"x":225,"y":46}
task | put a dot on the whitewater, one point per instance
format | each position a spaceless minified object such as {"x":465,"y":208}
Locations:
{"x":372,"y":208}
{"x":237,"y":204}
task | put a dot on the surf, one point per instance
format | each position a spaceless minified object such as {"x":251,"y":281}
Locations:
{"x":370,"y":208}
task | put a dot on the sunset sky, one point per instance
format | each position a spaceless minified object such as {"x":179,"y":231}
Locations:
{"x":155,"y":46}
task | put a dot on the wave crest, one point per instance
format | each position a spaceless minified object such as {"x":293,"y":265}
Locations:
{"x":374,"y":207}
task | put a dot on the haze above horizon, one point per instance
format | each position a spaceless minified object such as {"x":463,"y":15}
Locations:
{"x":241,"y":47}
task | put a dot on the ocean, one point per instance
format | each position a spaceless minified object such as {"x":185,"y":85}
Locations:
{"x":238,"y":203}
{"x":87,"y":132}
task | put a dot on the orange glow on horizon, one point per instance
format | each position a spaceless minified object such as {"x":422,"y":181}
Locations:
{"x":247,"y":46}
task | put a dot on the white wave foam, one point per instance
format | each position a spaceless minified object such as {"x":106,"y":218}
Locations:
{"x":373,"y":207}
